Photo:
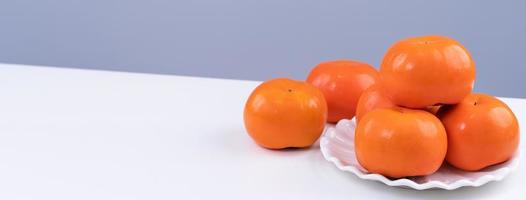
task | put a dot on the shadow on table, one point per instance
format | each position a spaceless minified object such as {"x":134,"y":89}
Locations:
{"x":460,"y":193}
{"x":238,"y":140}
{"x":481,"y":192}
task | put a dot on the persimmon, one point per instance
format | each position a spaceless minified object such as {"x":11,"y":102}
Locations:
{"x":283,"y":113}
{"x":342,"y":82}
{"x":481,"y":130}
{"x":399,"y":142}
{"x":372,"y":98}
{"x":425,"y":71}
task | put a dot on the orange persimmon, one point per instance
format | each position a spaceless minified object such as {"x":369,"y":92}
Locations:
{"x":342,"y":82}
{"x":372,"y":98}
{"x":283,"y":113}
{"x":399,"y":142}
{"x":481,"y":130}
{"x":426,"y":71}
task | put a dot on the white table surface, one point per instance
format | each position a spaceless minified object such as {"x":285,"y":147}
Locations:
{"x":79,"y":134}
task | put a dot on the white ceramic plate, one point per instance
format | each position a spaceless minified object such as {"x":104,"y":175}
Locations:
{"x":337,"y":146}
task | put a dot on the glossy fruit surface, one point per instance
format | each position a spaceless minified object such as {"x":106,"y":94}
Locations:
{"x":372,"y":98}
{"x":342,"y":82}
{"x":425,"y":71}
{"x":399,"y":142}
{"x":283,"y":113}
{"x":482,"y":131}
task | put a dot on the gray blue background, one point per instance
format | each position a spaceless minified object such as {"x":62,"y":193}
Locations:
{"x":257,"y":39}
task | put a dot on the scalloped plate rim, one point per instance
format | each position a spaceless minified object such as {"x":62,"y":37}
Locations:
{"x":496,"y":175}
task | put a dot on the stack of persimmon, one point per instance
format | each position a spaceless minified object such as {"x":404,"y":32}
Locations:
{"x":413,"y":114}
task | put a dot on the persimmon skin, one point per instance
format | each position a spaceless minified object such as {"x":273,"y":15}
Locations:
{"x":482,"y":131}
{"x":372,"y":98}
{"x":425,"y":71}
{"x":400,"y":142}
{"x":342,"y":82}
{"x":282,"y":113}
